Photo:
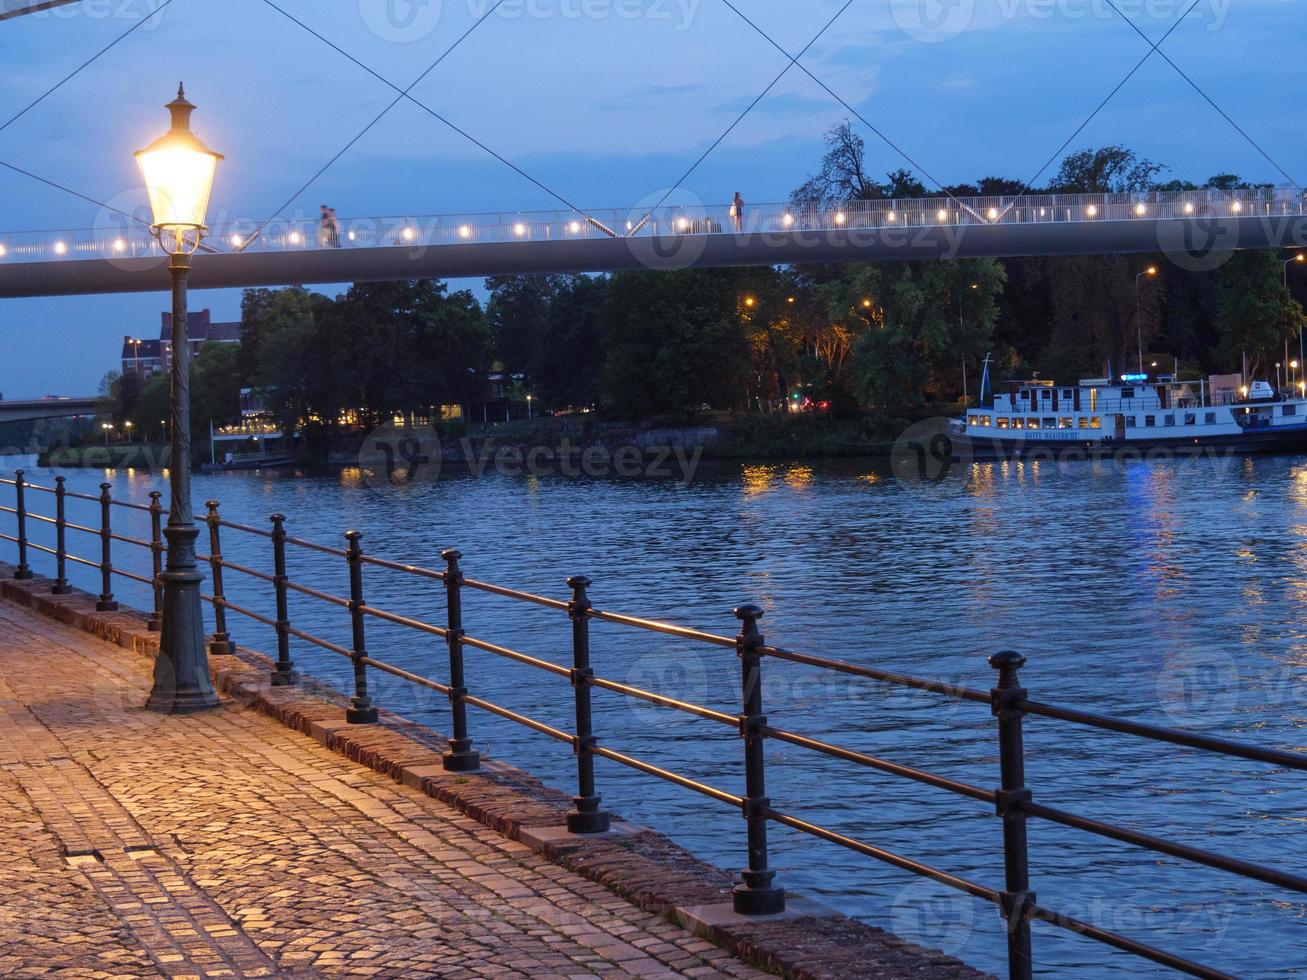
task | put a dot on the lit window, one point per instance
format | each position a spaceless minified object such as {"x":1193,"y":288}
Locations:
{"x":1083,"y":422}
{"x":1050,"y":423}
{"x":1095,"y":423}
{"x":1003,"y":422}
{"x":1032,"y":424}
{"x":1064,"y":423}
{"x":1018,"y":423}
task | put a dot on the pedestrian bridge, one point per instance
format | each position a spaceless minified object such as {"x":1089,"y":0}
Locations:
{"x":1189,"y":226}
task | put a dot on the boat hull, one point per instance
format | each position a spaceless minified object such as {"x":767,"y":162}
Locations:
{"x":1277,"y":439}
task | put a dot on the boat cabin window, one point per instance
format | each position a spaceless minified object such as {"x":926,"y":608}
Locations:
{"x":1150,"y":420}
{"x":1210,"y":418}
{"x":1032,"y":423}
{"x":1084,"y":422}
{"x":1290,"y":409}
{"x":1046,"y":394}
{"x":1050,"y":423}
{"x":1127,"y":392}
{"x":1066,"y":393}
{"x":1002,"y":422}
{"x":1018,"y":423}
{"x":1168,"y":420}
{"x":1190,"y":418}
{"x":1064,"y":423}
{"x":1129,"y":421}
{"x":1095,"y":423}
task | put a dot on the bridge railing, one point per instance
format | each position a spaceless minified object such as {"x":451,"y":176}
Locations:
{"x":123,"y":239}
{"x":1012,"y":801}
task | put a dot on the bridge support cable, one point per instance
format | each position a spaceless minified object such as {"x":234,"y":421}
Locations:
{"x":739,"y":119}
{"x":1206,"y":98}
{"x":860,"y":117}
{"x":403,"y":94}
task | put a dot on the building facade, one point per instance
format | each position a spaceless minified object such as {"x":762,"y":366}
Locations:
{"x":144,"y":357}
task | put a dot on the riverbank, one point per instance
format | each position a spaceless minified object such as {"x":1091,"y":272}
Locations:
{"x":638,"y":865}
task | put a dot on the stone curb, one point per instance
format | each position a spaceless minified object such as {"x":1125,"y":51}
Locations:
{"x":639,"y":865}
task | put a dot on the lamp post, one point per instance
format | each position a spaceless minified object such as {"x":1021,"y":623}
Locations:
{"x":1300,"y":258}
{"x":178,"y":171}
{"x":128,"y":427}
{"x":1139,"y":325}
{"x":107,"y":427}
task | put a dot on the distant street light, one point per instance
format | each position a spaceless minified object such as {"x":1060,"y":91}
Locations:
{"x":107,"y":427}
{"x":178,"y":171}
{"x":528,"y":407}
{"x":128,"y":426}
{"x":1139,"y":325}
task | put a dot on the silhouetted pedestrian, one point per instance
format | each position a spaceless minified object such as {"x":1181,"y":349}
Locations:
{"x":330,"y":227}
{"x":737,"y":212}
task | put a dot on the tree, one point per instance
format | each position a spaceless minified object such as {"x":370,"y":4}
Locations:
{"x":154,"y":409}
{"x":278,"y":331}
{"x":1107,"y":170}
{"x":517,"y":311}
{"x":673,"y":342}
{"x":843,"y":175}
{"x":567,"y":363}
{"x":215,"y":387}
{"x":1255,"y":313}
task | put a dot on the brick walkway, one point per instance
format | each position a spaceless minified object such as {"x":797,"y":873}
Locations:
{"x":225,"y":845}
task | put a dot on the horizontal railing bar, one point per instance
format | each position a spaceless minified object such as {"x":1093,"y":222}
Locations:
{"x":8,"y":510}
{"x":40,"y":547}
{"x":888,"y":677}
{"x":884,"y":765}
{"x":1038,"y":913}
{"x":83,"y":528}
{"x":319,"y":641}
{"x":81,"y":561}
{"x":539,"y":600}
{"x":668,"y":775}
{"x":313,"y":593}
{"x":246,"y":528}
{"x":42,"y":518}
{"x":1209,"y":743}
{"x":132,"y":575}
{"x":538,"y":726}
{"x":74,"y":495}
{"x":130,"y":505}
{"x":1245,"y":869}
{"x":666,"y":702}
{"x":522,"y":658}
{"x":38,"y":486}
{"x":251,"y":614}
{"x":401,"y":567}
{"x":8,"y":537}
{"x":311,"y":546}
{"x":400,"y":672}
{"x":399,"y":620}
{"x":654,"y":626}
{"x":889,"y":857}
{"x":246,"y":570}
{"x":127,"y":539}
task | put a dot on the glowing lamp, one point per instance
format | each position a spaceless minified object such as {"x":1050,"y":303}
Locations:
{"x":788,"y":220}
{"x":840,"y":217}
{"x":1188,"y":207}
{"x":1092,"y":211}
{"x":178,"y":170}
{"x":992,"y":214}
{"x":296,"y":238}
{"x":1140,"y":210}
{"x":2,"y":251}
{"x":892,"y":216}
{"x":409,"y":233}
{"x":60,"y":248}
{"x":519,"y":229}
{"x":237,"y":241}
{"x":119,"y":245}
{"x":941,"y":214}
{"x":574,"y":227}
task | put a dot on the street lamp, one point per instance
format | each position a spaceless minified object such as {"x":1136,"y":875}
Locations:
{"x":107,"y":427}
{"x":528,"y":407}
{"x":178,"y":171}
{"x":1300,"y":258}
{"x":1139,"y":325}
{"x":128,"y":426}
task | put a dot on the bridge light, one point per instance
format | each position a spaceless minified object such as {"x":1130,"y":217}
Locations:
{"x":519,"y":229}
{"x":409,"y":234}
{"x":892,"y":216}
{"x":941,"y":214}
{"x":296,"y":238}
{"x":60,"y":248}
{"x":574,"y":227}
{"x":840,"y":217}
{"x":992,"y":214}
{"x":1140,"y":210}
{"x":1092,"y":211}
{"x":119,"y":245}
{"x":1236,"y":207}
{"x":1188,"y":207}
{"x":237,"y":241}
{"x":683,"y":224}
{"x":1041,"y":212}
{"x":350,"y":236}
{"x":178,"y":171}
{"x":787,"y":220}
{"x":2,"y":251}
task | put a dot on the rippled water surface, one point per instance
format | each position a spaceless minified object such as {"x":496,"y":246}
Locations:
{"x":1169,"y":592}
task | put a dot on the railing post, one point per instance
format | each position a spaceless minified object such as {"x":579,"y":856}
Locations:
{"x":587,"y":818}
{"x":20,"y":508}
{"x":221,"y":642}
{"x":61,"y":586}
{"x":1017,"y":898}
{"x":461,"y":757}
{"x":363,"y":711}
{"x":106,"y":602}
{"x":155,"y":623}
{"x":757,"y":895}
{"x":285,"y":674}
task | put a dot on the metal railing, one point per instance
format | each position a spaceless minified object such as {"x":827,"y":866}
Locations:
{"x":306,"y":233}
{"x":1008,"y":701}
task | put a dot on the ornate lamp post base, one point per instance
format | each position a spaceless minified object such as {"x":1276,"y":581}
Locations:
{"x":181,"y":670}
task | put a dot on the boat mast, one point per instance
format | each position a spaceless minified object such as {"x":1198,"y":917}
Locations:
{"x":984,"y":378}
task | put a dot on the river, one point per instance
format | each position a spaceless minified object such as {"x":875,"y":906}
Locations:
{"x":1171,"y":592}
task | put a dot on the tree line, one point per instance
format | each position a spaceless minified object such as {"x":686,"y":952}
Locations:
{"x":879,"y":341}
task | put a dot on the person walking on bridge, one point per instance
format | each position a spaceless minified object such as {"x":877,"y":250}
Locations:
{"x":737,"y":212}
{"x":330,"y":227}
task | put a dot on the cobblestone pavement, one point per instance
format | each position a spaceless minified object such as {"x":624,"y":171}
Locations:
{"x":225,"y":845}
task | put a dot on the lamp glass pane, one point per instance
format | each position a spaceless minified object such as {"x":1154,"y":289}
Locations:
{"x":179,"y":180}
